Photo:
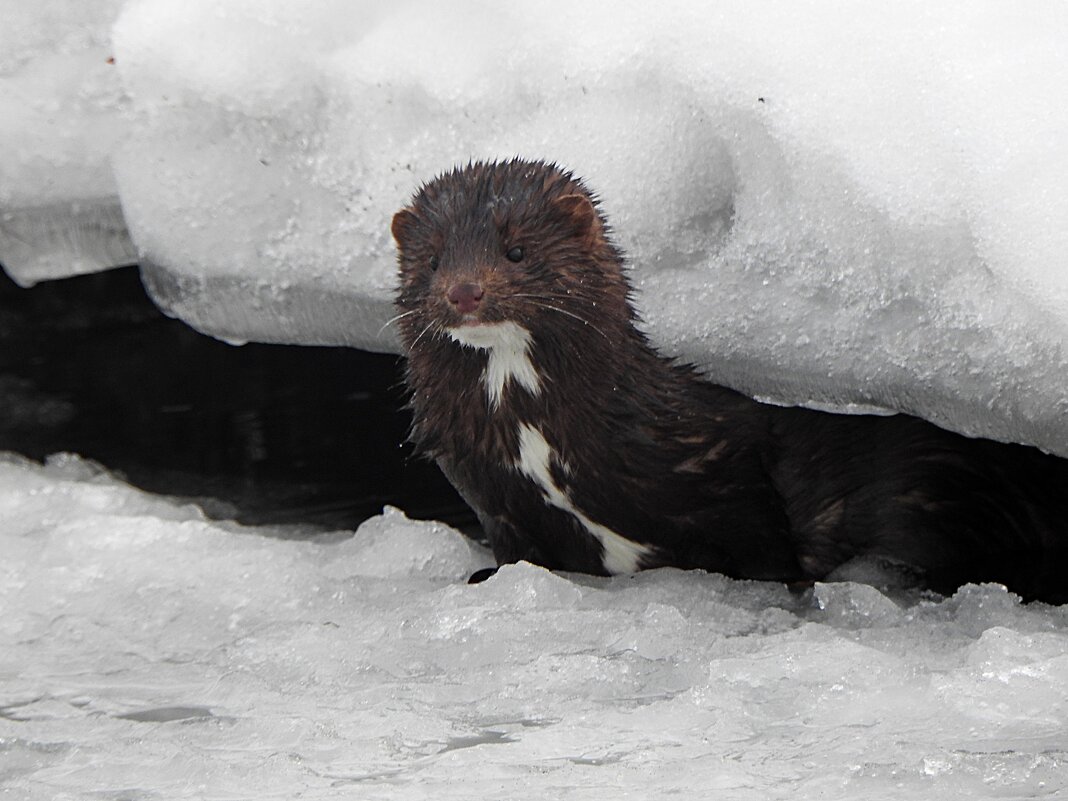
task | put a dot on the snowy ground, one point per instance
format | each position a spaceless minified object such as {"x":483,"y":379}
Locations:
{"x":146,"y":653}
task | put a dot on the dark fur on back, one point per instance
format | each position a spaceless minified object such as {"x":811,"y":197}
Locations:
{"x":696,"y":475}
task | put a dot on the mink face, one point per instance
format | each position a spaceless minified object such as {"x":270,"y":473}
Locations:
{"x":513,"y":243}
{"x":580,"y":448}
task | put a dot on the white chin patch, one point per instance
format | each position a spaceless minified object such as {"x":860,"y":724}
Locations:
{"x":508,"y":346}
{"x":620,"y":554}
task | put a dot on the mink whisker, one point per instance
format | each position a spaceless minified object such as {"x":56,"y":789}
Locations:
{"x":539,"y":301}
{"x":392,"y":320}
{"x":429,"y":325}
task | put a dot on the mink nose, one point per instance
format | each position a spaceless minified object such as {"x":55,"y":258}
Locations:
{"x":465,"y":297}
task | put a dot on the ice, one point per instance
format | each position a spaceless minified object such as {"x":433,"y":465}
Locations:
{"x":844,"y":210}
{"x":853,"y":211}
{"x":147,"y":652}
{"x":60,"y":119}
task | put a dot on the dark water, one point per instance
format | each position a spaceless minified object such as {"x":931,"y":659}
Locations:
{"x":269,"y":433}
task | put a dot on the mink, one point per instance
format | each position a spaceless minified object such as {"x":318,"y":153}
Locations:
{"x":581,"y":448}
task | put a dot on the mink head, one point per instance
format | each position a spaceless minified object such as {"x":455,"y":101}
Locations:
{"x":507,"y":242}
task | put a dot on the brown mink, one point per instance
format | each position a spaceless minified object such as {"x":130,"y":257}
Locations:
{"x":580,"y":448}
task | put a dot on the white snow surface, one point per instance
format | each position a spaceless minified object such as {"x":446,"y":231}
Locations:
{"x":148,"y":653}
{"x":60,"y":103}
{"x":841,"y":206}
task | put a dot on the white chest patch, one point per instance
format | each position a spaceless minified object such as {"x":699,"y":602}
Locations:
{"x":620,"y":554}
{"x":508,"y":346}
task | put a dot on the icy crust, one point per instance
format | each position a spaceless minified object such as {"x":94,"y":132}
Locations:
{"x":822,"y":207}
{"x":60,"y":119}
{"x":845,"y":210}
{"x":146,"y":652}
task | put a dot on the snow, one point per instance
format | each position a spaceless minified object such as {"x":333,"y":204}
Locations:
{"x":847,"y":210}
{"x":60,"y":121}
{"x":146,"y":652}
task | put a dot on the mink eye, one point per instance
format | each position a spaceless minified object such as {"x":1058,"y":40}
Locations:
{"x":515,"y":254}
{"x":434,"y":262}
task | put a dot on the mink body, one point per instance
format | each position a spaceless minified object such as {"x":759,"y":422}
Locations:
{"x":580,"y":448}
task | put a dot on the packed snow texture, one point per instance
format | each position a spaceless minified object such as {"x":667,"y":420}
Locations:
{"x":841,"y":207}
{"x":146,"y":652}
{"x":60,"y":104}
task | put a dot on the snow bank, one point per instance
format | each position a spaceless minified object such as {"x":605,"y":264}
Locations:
{"x":842,"y":209}
{"x":147,"y":652}
{"x":60,"y":119}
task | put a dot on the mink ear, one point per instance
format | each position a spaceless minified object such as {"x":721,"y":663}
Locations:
{"x":578,"y":208}
{"x":404,"y":222}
